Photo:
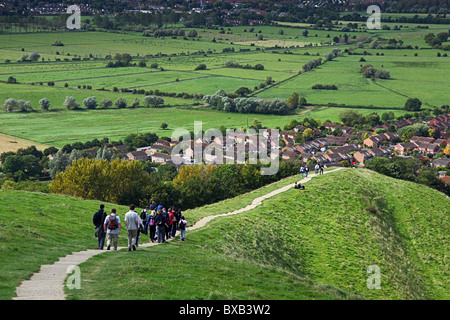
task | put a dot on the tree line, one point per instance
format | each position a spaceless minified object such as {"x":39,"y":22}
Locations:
{"x":89,"y":103}
{"x":222,"y":101}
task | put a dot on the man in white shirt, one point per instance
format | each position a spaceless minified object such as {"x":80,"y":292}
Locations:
{"x":132,"y":222}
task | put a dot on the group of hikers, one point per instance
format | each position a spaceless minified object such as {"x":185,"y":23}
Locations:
{"x":304,"y":170}
{"x":155,"y":220}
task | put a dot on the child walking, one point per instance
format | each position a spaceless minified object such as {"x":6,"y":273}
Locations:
{"x":183,"y":224}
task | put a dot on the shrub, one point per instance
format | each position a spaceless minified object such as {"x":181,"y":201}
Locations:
{"x":120,"y":103}
{"x":44,"y":103}
{"x":71,"y":104}
{"x":90,"y":103}
{"x":201,"y":66}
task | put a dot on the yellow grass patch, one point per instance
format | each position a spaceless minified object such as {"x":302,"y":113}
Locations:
{"x":10,"y":143}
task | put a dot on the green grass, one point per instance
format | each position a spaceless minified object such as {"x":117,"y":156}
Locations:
{"x":325,"y":236}
{"x":37,"y":228}
{"x":61,"y":127}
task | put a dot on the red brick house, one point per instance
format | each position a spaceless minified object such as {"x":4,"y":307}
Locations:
{"x":402,"y":148}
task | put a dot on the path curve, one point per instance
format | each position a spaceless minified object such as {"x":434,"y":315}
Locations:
{"x":49,"y":282}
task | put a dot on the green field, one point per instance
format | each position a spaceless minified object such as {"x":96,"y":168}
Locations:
{"x":316,"y":244}
{"x":61,"y":127}
{"x":415,"y":73}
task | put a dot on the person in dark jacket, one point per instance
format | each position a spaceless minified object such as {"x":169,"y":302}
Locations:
{"x":98,"y":219}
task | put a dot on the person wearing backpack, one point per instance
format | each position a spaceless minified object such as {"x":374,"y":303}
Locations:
{"x":161,"y":222}
{"x":302,"y":171}
{"x":112,"y":227}
{"x":132,"y":222}
{"x":98,"y":219}
{"x":178,"y":215}
{"x":166,"y":222}
{"x":151,"y":225}
{"x":142,"y":227}
{"x":183,"y":225}
{"x":306,"y":171}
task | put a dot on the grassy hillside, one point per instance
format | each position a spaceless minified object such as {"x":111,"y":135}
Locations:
{"x":37,"y":229}
{"x":307,"y":244}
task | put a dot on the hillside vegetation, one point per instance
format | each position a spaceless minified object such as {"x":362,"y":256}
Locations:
{"x":312,"y":244}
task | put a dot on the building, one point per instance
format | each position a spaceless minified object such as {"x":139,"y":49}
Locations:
{"x":375,"y":141}
{"x":403,"y":148}
{"x":441,"y":162}
{"x":160,"y":158}
{"x":137,"y":155}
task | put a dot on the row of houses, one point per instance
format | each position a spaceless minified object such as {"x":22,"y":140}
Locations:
{"x":424,"y":145}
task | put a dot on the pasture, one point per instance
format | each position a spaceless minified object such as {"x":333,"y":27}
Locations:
{"x":415,"y":73}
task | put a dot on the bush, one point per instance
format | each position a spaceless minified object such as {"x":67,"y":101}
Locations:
{"x":201,"y":66}
{"x":413,"y":104}
{"x":71,"y":104}
{"x":120,"y":103}
{"x":90,"y":103}
{"x":44,"y":103}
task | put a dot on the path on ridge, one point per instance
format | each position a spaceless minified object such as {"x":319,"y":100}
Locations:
{"x":49,"y":282}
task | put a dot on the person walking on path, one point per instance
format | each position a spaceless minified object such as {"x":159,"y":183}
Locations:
{"x":317,"y":168}
{"x":160,"y":227}
{"x":178,"y":215}
{"x":143,"y":226}
{"x":98,"y":219}
{"x":132,"y":224}
{"x":112,"y":226}
{"x":302,"y":171}
{"x":321,"y":168}
{"x":183,"y":225}
{"x":153,"y":206}
{"x":306,"y":171}
{"x":166,"y":221}
{"x":171,"y":223}
{"x":151,"y":226}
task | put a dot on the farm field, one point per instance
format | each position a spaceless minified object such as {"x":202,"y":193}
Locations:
{"x":61,"y":127}
{"x":415,"y":73}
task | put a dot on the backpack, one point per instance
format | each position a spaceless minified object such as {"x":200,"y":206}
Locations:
{"x":152,"y":221}
{"x":144,"y":215}
{"x":113,"y":225}
{"x":160,"y":220}
{"x":183,"y":225}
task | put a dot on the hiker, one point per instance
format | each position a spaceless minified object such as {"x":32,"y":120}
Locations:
{"x":143,"y":227}
{"x":98,"y":219}
{"x":302,"y":171}
{"x":151,"y":225}
{"x":160,"y":207}
{"x":183,"y":225}
{"x":112,"y":226}
{"x":166,"y":223}
{"x":153,"y":206}
{"x":132,"y":221}
{"x":317,"y":167}
{"x":178,"y":215}
{"x":171,"y":223}
{"x":160,"y":221}
{"x":306,"y":171}
{"x":321,"y":168}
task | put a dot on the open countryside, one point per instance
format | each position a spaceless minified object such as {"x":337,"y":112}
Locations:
{"x":88,"y":118}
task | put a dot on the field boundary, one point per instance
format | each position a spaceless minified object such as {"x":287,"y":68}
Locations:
{"x":49,"y":282}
